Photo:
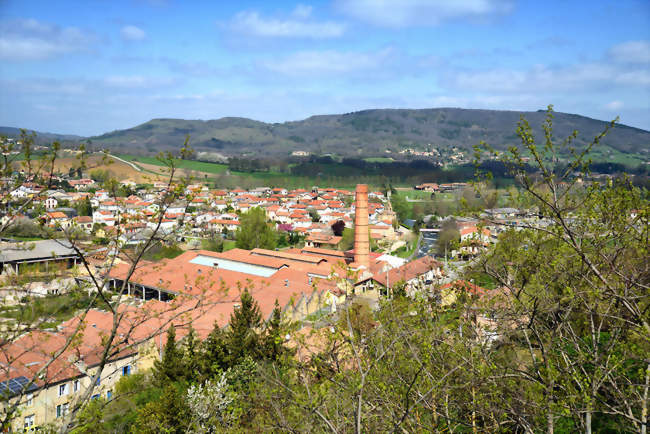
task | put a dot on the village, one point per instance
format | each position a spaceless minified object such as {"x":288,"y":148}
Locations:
{"x":311,"y":277}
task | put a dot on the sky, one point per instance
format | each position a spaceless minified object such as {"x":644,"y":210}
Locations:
{"x":93,"y":66}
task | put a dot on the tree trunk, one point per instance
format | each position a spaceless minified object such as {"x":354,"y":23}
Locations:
{"x":474,"y":411}
{"x":644,"y":404}
{"x":550,"y":426}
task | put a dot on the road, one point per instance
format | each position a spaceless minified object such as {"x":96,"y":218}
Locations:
{"x":427,"y":242}
{"x":127,"y":162}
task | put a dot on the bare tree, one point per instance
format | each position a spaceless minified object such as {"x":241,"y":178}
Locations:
{"x":127,"y":328}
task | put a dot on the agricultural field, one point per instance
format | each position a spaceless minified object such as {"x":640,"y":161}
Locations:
{"x":118,"y":169}
{"x":198,"y":166}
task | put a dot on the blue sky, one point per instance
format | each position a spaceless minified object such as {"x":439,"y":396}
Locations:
{"x":88,"y":67}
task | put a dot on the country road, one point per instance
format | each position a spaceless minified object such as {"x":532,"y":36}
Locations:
{"x":127,"y":162}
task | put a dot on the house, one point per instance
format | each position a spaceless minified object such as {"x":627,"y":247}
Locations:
{"x":176,"y":208}
{"x":428,"y":186}
{"x":105,"y":217}
{"x":221,"y":224}
{"x":416,"y":276}
{"x":81,"y":184}
{"x":316,"y":239}
{"x":382,"y":230}
{"x":48,"y":399}
{"x":83,"y":222}
{"x":472,"y":233}
{"x":51,"y":203}
{"x":503,"y":213}
{"x":101,"y":195}
{"x":473,"y":240}
{"x":57,"y":219}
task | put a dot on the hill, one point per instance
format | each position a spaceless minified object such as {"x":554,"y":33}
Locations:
{"x":41,"y":138}
{"x":367,"y":133}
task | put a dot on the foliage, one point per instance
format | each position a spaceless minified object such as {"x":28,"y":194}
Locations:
{"x":84,"y":208}
{"x":160,"y":251}
{"x":313,"y":214}
{"x":170,"y":367}
{"x":338,"y":227}
{"x":209,"y":405}
{"x":400,"y":206}
{"x":448,"y":238}
{"x":241,"y":336}
{"x":254,"y":232}
{"x":214,"y":244}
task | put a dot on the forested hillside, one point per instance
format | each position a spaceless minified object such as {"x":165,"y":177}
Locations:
{"x":368,"y":132}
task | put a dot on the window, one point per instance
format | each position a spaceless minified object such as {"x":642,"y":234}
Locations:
{"x":109,"y":395}
{"x":99,"y":380}
{"x":95,"y":396}
{"x":75,"y":386}
{"x":126,"y":370}
{"x":63,"y":389}
{"x":61,"y":410}
{"x":29,"y":399}
{"x":29,"y":421}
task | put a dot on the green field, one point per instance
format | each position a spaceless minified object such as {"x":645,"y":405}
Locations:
{"x":379,"y":160}
{"x":608,"y":154}
{"x":337,"y":176}
{"x":199,"y":166}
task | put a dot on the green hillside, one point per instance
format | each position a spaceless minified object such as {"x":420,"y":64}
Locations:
{"x":365,"y":133}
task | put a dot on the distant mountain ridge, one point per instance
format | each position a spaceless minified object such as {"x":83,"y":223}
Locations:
{"x":41,"y":137}
{"x":363,"y":133}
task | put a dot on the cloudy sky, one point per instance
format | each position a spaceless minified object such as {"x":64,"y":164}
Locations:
{"x":87,"y":67}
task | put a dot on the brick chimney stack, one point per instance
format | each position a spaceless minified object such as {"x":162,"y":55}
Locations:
{"x":361,"y":237}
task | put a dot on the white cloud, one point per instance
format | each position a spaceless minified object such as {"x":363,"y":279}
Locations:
{"x":34,"y":40}
{"x":614,"y":105}
{"x":302,"y":12}
{"x":132,"y":33}
{"x":542,"y":78}
{"x":390,"y":13}
{"x":329,"y":62}
{"x":137,"y":82}
{"x":631,"y":52}
{"x":297,"y":26}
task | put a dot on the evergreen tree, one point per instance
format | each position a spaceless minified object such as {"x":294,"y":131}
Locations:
{"x":273,"y":340}
{"x":170,"y":368}
{"x":242,"y":337}
{"x":168,"y":414}
{"x":191,"y":355}
{"x":214,"y":353}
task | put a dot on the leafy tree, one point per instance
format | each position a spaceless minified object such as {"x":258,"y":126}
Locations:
{"x":210,"y":405}
{"x":579,"y":284}
{"x":170,"y":367}
{"x":84,"y":208}
{"x":214,"y":244}
{"x":313,"y":214}
{"x":400,"y":206}
{"x":242,"y":335}
{"x":347,"y":241}
{"x":170,"y":413}
{"x":448,"y":237}
{"x":254,"y":232}
{"x":338,"y":227}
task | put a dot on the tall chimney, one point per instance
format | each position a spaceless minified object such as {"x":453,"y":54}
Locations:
{"x":361,"y":237}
